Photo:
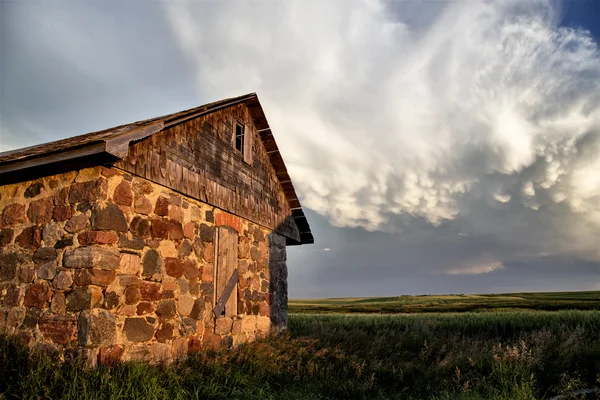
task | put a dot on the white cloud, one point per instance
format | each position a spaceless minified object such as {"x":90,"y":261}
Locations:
{"x":476,"y":269}
{"x":377,"y":118}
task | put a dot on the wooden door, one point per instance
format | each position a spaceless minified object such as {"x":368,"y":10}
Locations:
{"x":226,"y":265}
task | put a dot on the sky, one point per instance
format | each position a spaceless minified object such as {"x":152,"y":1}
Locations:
{"x":436,"y":147}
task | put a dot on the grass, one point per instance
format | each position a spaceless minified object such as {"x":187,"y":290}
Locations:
{"x":489,"y":355}
{"x":549,"y":301}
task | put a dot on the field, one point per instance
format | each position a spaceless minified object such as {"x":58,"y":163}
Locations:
{"x":550,"y":301}
{"x":518,"y":354}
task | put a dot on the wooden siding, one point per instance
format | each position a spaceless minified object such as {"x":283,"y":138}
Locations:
{"x":197,"y":158}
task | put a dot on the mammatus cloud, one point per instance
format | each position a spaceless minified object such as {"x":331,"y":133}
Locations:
{"x":489,"y":117}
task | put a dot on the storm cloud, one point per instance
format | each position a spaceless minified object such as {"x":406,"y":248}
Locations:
{"x":443,"y":147}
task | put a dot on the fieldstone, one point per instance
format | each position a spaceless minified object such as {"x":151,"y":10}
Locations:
{"x":209,"y":216}
{"x":38,"y":295}
{"x":77,"y":223}
{"x":127,"y":310}
{"x":185,"y":305}
{"x":97,"y":328}
{"x":58,"y":305}
{"x":207,"y":233}
{"x":135,"y":243}
{"x":62,"y":196}
{"x":130,"y":264}
{"x":14,"y":214}
{"x":6,"y":236}
{"x":164,"y":333}
{"x":46,"y":270}
{"x":83,"y":207}
{"x":138,"y":330}
{"x":96,"y":296}
{"x":159,"y":228}
{"x":207,"y":288}
{"x":249,"y":324}
{"x":40,"y":211}
{"x":128,"y":280}
{"x":223,"y":326}
{"x":92,"y":257}
{"x":110,"y":355}
{"x":190,"y":270}
{"x":110,"y":172}
{"x":162,"y":206}
{"x":26,"y":275}
{"x":79,"y":299}
{"x":179,"y":348}
{"x":174,"y":267}
{"x":166,"y":309}
{"x":33,"y":190}
{"x":8,"y":265}
{"x":185,"y":249}
{"x":184,"y":286}
{"x":51,"y":233}
{"x":259,"y":235}
{"x":108,"y":216}
{"x":144,"y":308}
{"x":64,"y":242}
{"x":100,"y":277}
{"x":207,"y":273}
{"x":132,"y":295}
{"x":122,"y":194}
{"x":161,"y":352}
{"x":111,"y":300}
{"x":59,"y":329}
{"x":211,"y":339}
{"x":11,"y":298}
{"x":97,"y":237}
{"x":32,"y":317}
{"x":141,"y":186}
{"x":167,"y":249}
{"x":30,"y":238}
{"x":142,"y":205}
{"x":188,"y":230}
{"x":44,"y":254}
{"x":140,"y":227}
{"x":63,"y":280}
{"x":152,"y":262}
{"x":62,"y":212}
{"x":255,"y":253}
{"x":188,"y":327}
{"x":150,"y":291}
{"x":176,"y":214}
{"x":208,"y":254}
{"x":88,"y":191}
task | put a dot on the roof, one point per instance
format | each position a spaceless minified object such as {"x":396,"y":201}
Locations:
{"x":111,"y":145}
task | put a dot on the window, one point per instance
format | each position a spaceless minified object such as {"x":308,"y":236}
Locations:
{"x":239,"y":137}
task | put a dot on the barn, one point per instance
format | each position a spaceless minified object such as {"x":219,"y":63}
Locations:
{"x":151,"y":240}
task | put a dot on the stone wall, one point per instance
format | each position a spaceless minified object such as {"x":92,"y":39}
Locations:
{"x":102,"y":263}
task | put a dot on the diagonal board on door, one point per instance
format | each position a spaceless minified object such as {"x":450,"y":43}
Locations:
{"x":226,"y":272}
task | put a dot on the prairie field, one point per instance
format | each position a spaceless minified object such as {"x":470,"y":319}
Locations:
{"x":507,"y":354}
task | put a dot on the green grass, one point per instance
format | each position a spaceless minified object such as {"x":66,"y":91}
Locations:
{"x":549,"y":301}
{"x":489,"y":355}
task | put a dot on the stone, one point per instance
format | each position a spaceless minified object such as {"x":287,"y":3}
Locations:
{"x":209,"y":216}
{"x":174,"y":267}
{"x":62,"y":243}
{"x":77,"y":223}
{"x":179,"y":348}
{"x":14,"y":214}
{"x":26,"y":275}
{"x":167,"y":249}
{"x":88,"y":276}
{"x":144,"y":308}
{"x":122,"y":194}
{"x":108,"y":216}
{"x":255,"y":253}
{"x":150,"y":291}
{"x":227,"y":342}
{"x":138,"y":330}
{"x":40,"y":211}
{"x":184,"y":286}
{"x":185,"y":304}
{"x":8,"y":265}
{"x":141,"y":187}
{"x":166,"y":309}
{"x":88,"y":191}
{"x":97,"y":328}
{"x":38,"y":295}
{"x":92,"y":257}
{"x":33,"y":190}
{"x":110,"y":172}
{"x":96,"y":296}
{"x":243,"y":247}
{"x":128,"y":280}
{"x":264,"y":310}
{"x":207,"y":273}
{"x":162,"y":206}
{"x":6,"y":236}
{"x":58,"y":305}
{"x":83,"y":207}
{"x":43,"y":254}
{"x":32,"y":317}
{"x":140,"y":227}
{"x":185,"y":249}
{"x":79,"y":299}
{"x":61,"y":196}
{"x":176,"y":214}
{"x":30,"y":238}
{"x":97,"y":237}
{"x":46,"y":270}
{"x":197,"y":309}
{"x":159,"y":228}
{"x":236,"y":328}
{"x":223,"y":326}
{"x":190,"y":270}
{"x":249,"y":324}
{"x":134,"y":243}
{"x":142,"y":205}
{"x":51,"y":233}
{"x":62,"y":212}
{"x":11,"y":298}
{"x":110,"y":355}
{"x":152,"y":263}
{"x":188,"y":230}
{"x":207,"y":233}
{"x":130,"y":264}
{"x":259,"y":235}
{"x":59,"y":329}
{"x":63,"y":280}
{"x":164,"y":333}
{"x":210,"y":339}
{"x":132,"y":295}
{"x":161,"y":352}
{"x":208,"y":254}
{"x":111,"y":300}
